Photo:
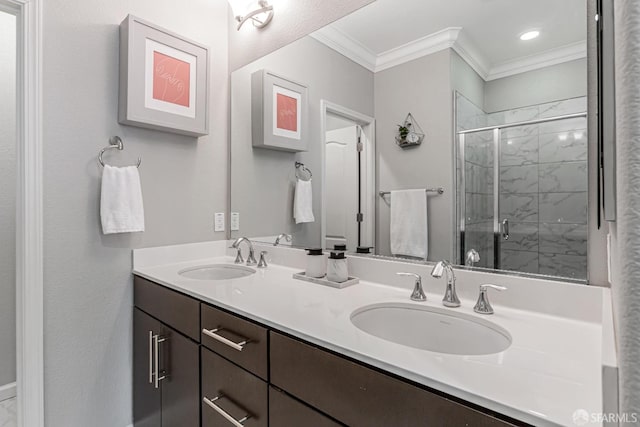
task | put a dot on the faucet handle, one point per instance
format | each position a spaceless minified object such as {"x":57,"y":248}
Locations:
{"x":239,"y":258}
{"x":483,"y":306}
{"x":263,"y":262}
{"x":418,"y":292}
{"x":472,"y":258}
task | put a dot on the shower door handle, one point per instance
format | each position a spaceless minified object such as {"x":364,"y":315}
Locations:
{"x":505,"y":229}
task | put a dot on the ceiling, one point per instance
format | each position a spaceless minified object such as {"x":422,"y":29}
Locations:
{"x":488,"y":30}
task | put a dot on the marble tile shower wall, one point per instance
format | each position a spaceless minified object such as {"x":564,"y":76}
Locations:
{"x":543,"y":188}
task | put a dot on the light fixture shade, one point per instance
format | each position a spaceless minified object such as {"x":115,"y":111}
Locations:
{"x":241,"y":7}
{"x":260,"y":12}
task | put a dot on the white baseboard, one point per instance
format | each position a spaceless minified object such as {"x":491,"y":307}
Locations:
{"x":7,"y":391}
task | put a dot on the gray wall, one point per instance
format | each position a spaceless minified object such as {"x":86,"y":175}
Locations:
{"x":87,"y":277}
{"x":429,"y":99}
{"x":265,"y":178}
{"x":293,"y":19}
{"x":466,"y":81}
{"x":554,"y":83}
{"x":7,"y":199}
{"x":626,"y":231}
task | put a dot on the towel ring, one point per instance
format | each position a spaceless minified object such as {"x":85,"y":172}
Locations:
{"x":114,"y":142}
{"x":299,"y":166}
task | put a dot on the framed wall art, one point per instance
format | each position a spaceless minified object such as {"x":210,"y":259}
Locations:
{"x":164,"y":80}
{"x":279,"y":112}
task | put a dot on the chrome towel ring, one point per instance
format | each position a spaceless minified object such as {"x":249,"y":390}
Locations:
{"x":300,"y":167}
{"x":114,"y":142}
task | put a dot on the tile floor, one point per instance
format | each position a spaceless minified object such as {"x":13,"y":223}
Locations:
{"x":8,"y":413}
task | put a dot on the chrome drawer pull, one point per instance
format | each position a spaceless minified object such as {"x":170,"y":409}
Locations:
{"x":157,"y":339}
{"x":151,"y":340}
{"x":225,"y":414}
{"x":236,"y":346}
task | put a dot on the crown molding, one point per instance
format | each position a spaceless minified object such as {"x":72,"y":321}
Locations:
{"x":347,"y":46}
{"x":449,"y":38}
{"x":471,"y":55}
{"x":418,"y":48}
{"x":556,"y":56}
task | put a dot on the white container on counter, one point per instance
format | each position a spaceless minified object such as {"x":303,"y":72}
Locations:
{"x":337,"y":270}
{"x":316,"y":263}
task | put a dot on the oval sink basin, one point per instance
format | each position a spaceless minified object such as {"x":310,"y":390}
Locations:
{"x":217,"y":272}
{"x":433,"y":329}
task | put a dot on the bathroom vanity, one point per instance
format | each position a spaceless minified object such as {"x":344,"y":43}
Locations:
{"x":265,"y":349}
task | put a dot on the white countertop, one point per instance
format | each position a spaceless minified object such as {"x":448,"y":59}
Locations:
{"x":552,"y":368}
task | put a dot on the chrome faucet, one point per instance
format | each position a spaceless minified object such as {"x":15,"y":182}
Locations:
{"x":251,"y":259}
{"x":285,"y":236}
{"x":418,"y":292}
{"x":450,"y":297}
{"x":472,"y":258}
{"x":483,"y":306}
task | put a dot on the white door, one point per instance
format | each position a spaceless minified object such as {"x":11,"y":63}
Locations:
{"x":342,"y":187}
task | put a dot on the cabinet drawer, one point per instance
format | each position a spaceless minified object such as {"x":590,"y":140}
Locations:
{"x":285,"y":411}
{"x":360,"y":396}
{"x":239,"y":340}
{"x":229,"y":391}
{"x":174,"y":309}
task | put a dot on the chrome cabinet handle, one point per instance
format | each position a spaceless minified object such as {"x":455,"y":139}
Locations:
{"x":505,"y":229}
{"x":225,"y":414}
{"x":236,"y":346}
{"x":151,"y":340}
{"x":157,"y":339}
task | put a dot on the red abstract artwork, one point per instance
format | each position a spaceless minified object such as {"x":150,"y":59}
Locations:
{"x":287,"y":113}
{"x":171,"y":79}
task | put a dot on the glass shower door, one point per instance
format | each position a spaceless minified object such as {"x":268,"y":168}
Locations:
{"x":476,"y":194}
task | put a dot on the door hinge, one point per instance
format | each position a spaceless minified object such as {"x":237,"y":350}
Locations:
{"x":359,"y":217}
{"x":359,"y":146}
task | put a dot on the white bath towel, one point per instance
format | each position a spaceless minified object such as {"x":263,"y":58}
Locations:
{"x":303,"y":202}
{"x":121,"y":209}
{"x":409,"y":231}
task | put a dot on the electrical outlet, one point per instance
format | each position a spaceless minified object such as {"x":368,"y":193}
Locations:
{"x":218,"y":223}
{"x":235,"y":221}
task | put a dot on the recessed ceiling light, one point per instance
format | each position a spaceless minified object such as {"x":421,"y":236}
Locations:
{"x":529,"y":35}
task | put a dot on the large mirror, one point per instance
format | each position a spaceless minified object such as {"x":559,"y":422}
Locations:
{"x":424,"y":130}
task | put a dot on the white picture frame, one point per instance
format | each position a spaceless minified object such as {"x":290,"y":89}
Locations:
{"x":164,"y":80}
{"x":279,"y":109}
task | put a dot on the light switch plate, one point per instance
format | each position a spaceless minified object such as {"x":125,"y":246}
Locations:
{"x":235,"y":221}
{"x":218,"y":223}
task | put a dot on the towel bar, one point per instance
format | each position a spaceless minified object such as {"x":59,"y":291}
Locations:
{"x":438,"y":190}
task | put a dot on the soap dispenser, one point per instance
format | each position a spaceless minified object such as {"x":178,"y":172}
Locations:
{"x":316,"y":263}
{"x":337,"y":270}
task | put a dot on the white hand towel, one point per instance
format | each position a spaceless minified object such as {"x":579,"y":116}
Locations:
{"x":409,"y":231}
{"x":121,"y":208}
{"x":303,"y":202}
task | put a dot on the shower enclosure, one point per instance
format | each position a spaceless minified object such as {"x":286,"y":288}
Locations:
{"x":522,"y":187}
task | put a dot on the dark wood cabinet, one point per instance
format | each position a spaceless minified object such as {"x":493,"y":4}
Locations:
{"x":360,"y":396}
{"x":239,"y":340}
{"x":230,"y":392}
{"x":285,"y":411}
{"x":166,"y":371}
{"x":180,"y":365}
{"x":215,"y":368}
{"x":147,"y":400}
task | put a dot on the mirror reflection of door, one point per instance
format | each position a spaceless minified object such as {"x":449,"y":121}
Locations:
{"x":342,"y":182}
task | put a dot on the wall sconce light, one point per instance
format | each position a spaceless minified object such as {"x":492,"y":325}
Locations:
{"x":260,"y":12}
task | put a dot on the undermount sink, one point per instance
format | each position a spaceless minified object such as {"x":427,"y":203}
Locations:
{"x":433,"y":329}
{"x":217,"y":272}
